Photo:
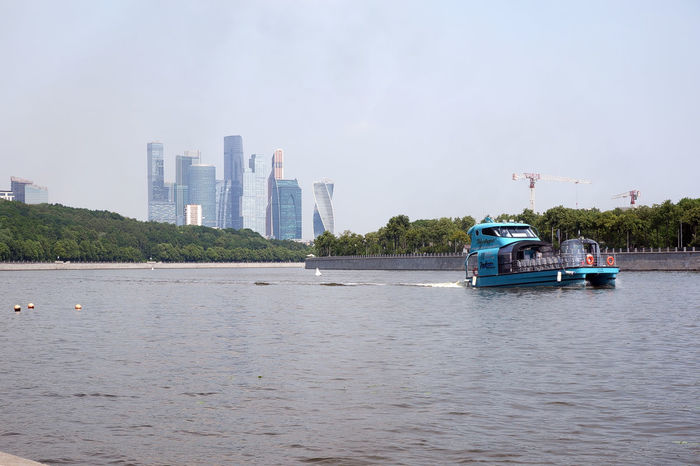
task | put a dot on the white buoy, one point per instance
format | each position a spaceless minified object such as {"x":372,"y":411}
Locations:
{"x":559,"y":276}
{"x":318,"y":272}
{"x":474,"y":280}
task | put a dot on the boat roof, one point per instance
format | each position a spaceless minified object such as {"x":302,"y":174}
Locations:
{"x":481,"y":226}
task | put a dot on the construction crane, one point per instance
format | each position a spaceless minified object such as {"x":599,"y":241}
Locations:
{"x":632,"y":194}
{"x":537,"y":177}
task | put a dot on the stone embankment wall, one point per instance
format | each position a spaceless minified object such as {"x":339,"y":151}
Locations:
{"x":637,"y":261}
{"x":142,"y":265}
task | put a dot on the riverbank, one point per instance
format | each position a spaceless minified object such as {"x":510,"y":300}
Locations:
{"x":12,"y":460}
{"x":143,"y":265}
{"x":668,"y":260}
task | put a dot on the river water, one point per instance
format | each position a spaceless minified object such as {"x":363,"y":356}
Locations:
{"x":278,"y":366}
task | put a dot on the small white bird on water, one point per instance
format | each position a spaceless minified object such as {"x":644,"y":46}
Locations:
{"x":318,"y":272}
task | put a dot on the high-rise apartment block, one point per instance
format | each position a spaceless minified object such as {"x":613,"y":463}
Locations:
{"x":254,"y":202}
{"x":233,"y":173}
{"x":324,"y":217}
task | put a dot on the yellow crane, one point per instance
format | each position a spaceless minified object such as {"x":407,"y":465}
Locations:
{"x":538,"y":177}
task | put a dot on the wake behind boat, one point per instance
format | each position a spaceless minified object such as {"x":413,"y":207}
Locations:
{"x":512,"y":254}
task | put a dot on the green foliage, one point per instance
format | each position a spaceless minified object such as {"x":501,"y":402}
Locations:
{"x":55,"y":232}
{"x":656,"y":226}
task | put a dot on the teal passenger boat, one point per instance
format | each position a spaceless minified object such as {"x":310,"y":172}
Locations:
{"x":512,"y":254}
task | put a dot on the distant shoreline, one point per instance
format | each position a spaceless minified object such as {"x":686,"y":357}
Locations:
{"x":9,"y":266}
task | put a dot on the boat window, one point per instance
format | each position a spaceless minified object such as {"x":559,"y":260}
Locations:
{"x":510,"y":231}
{"x":513,"y":232}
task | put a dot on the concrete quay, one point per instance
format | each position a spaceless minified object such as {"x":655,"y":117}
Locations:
{"x":60,"y":265}
{"x":658,"y":260}
{"x":11,"y":460}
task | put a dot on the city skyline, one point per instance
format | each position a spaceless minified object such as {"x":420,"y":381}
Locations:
{"x":268,"y":204}
{"x":416,"y":109}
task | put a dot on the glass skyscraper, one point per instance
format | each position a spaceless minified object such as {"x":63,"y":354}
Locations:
{"x":276,"y":173}
{"x":254,"y":203}
{"x":233,"y":173}
{"x":324,"y":217}
{"x":182,"y":181}
{"x":222,"y":202}
{"x":160,"y":203}
{"x":285,"y":207}
{"x":202,"y":191}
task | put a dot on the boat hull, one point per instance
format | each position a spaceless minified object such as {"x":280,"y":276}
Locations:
{"x":594,"y":276}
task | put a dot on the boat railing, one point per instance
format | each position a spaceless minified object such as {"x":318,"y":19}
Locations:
{"x":559,"y":261}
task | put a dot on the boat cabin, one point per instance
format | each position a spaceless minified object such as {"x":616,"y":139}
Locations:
{"x":580,"y":251}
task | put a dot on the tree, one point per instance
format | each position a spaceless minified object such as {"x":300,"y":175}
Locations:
{"x":459,"y":239}
{"x":66,"y":249}
{"x":193,"y":253}
{"x":4,"y":251}
{"x":324,"y":244}
{"x":394,"y":232}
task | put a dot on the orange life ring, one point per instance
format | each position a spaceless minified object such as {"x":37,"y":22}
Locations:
{"x":610,"y":260}
{"x":589,"y":259}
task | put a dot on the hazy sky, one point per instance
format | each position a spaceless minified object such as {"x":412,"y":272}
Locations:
{"x":417,"y":108}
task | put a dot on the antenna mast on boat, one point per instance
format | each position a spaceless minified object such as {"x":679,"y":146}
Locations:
{"x":538,"y":177}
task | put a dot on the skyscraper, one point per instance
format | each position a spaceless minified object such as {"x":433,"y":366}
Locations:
{"x":278,"y":164}
{"x":285,"y":207}
{"x":277,"y":173}
{"x":254,"y":203}
{"x":160,"y":206}
{"x":222,"y":202}
{"x":324,"y":217}
{"x":233,"y":173}
{"x":202,"y":191}
{"x":182,"y":181}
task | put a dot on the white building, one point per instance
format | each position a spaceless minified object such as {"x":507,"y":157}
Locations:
{"x":193,"y":214}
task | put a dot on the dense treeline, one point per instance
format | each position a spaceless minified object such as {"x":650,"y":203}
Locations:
{"x":50,"y":232}
{"x":665,"y":225}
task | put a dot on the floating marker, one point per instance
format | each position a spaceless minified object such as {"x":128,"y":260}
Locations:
{"x":78,"y":306}
{"x":559,"y":276}
{"x":474,"y":280}
{"x":17,"y":308}
{"x":30,"y":306}
{"x":318,"y":272}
